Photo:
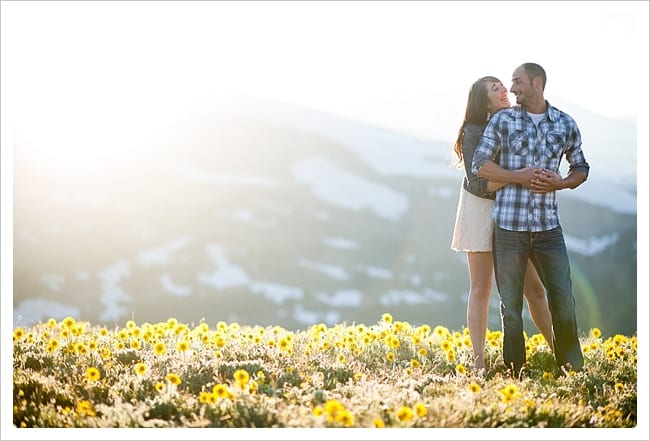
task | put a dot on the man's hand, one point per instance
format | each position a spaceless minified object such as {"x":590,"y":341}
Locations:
{"x":544,"y":181}
{"x":493,"y":172}
{"x":526,"y":176}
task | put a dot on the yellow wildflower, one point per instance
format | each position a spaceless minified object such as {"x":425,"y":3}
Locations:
{"x":173,"y":378}
{"x":92,"y":374}
{"x":241,"y":377}
{"x":345,"y":417}
{"x":19,"y":333}
{"x":421,"y":409}
{"x":220,"y":390}
{"x":140,"y":368}
{"x":405,"y":414}
{"x":159,"y":348}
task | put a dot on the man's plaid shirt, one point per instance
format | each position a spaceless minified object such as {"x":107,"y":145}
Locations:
{"x":523,"y":144}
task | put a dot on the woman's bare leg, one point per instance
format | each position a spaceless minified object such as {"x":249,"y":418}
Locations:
{"x":480,"y":286}
{"x":538,"y":304}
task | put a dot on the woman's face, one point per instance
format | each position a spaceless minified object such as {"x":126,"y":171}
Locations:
{"x":497,"y":96}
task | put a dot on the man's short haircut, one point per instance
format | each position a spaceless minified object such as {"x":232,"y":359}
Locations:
{"x":535,"y":70}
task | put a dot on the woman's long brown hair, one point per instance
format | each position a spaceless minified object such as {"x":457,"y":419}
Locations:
{"x":476,"y":112}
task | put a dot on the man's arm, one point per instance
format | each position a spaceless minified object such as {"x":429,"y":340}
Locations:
{"x":493,"y":186}
{"x":484,"y":165}
{"x":493,"y":172}
{"x":546,"y":180}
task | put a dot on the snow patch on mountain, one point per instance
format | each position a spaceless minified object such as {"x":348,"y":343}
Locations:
{"x":336,"y":186}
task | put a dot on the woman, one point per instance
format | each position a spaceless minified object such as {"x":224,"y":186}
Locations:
{"x":474,"y":226}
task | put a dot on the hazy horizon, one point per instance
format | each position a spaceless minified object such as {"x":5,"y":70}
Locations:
{"x":87,"y":81}
{"x":113,"y":72}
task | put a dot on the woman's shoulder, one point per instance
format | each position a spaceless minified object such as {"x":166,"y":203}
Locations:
{"x":472,"y":129}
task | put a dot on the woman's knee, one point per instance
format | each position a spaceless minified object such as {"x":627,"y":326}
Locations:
{"x":535,"y":294}
{"x":533,"y":288}
{"x":480,"y":294}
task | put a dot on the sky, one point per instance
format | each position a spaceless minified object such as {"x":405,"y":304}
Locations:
{"x":116,"y":71}
{"x":117,"y":68}
{"x":406,"y":65}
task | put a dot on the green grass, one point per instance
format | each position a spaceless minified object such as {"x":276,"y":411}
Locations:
{"x":389,"y":374}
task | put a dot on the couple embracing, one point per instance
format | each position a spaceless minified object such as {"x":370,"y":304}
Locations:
{"x":507,"y":219}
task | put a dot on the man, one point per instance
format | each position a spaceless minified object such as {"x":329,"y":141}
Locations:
{"x":531,"y":139}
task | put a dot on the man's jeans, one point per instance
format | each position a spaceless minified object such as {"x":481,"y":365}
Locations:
{"x":547,"y":251}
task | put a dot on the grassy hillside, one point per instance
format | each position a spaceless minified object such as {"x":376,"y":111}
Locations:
{"x":388,"y":374}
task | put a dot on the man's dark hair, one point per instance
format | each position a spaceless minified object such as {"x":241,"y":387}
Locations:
{"x":535,"y":70}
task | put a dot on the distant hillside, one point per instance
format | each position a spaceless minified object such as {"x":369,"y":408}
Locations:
{"x":265,"y":213}
{"x":611,"y":145}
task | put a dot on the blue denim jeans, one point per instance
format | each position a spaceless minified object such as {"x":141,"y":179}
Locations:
{"x":547,"y":251}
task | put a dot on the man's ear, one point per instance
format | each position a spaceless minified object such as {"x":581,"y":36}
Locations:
{"x":537,"y":83}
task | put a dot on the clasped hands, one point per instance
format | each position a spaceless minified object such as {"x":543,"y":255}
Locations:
{"x":540,"y":180}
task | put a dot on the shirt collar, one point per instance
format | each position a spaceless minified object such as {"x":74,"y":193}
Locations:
{"x":552,"y":113}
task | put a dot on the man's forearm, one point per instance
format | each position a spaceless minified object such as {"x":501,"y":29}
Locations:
{"x":492,"y":186}
{"x":573,"y":179}
{"x":495,"y":173}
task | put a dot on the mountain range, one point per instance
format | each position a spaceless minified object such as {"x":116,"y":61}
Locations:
{"x":267,"y":213}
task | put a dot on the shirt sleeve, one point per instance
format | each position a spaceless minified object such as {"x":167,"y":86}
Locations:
{"x":476,"y":185}
{"x":574,"y":154}
{"x":487,"y":147}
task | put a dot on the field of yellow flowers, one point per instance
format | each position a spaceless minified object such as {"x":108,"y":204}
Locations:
{"x":389,"y":374}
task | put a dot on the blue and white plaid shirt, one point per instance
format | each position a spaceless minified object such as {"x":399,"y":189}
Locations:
{"x":523,"y":144}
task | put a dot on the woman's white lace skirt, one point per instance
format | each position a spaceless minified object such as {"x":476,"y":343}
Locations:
{"x":474,"y":226}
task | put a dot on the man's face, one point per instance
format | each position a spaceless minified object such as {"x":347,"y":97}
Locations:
{"x":522,"y":86}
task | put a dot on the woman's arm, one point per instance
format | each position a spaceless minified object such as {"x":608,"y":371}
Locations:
{"x":477,"y":185}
